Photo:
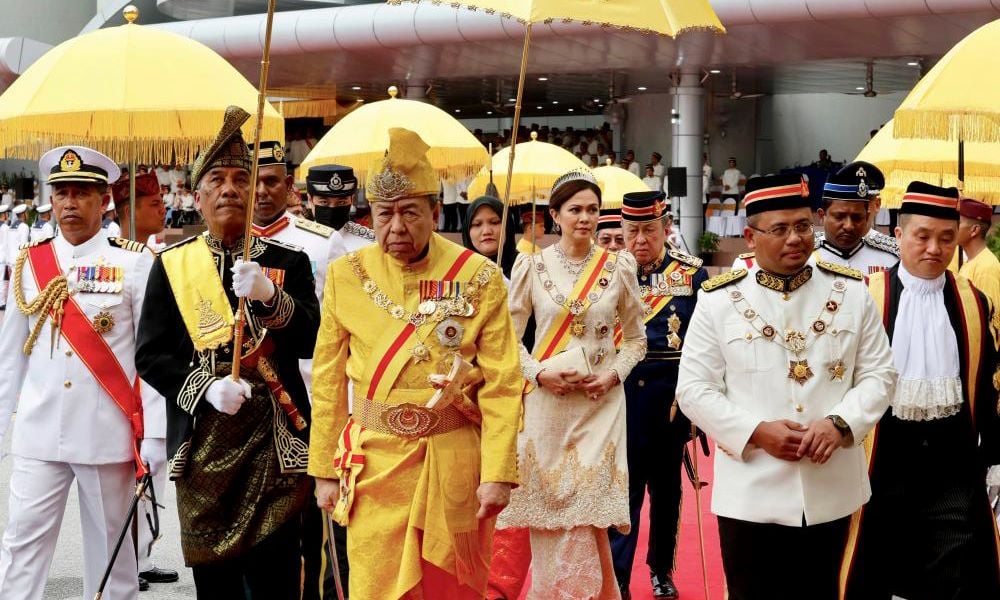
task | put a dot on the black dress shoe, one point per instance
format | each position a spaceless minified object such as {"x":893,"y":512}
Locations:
{"x":158,"y":575}
{"x":663,"y":587}
{"x":143,"y":585}
{"x":625,"y":592}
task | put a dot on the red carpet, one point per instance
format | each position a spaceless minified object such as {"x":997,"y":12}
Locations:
{"x":688,"y":576}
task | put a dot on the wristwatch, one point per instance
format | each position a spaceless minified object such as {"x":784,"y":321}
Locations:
{"x":840,"y":424}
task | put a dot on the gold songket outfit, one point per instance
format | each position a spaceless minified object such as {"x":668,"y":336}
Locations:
{"x":409,"y":475}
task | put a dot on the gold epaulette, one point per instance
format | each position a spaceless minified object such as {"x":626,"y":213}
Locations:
{"x":747,"y":255}
{"x":36,"y":243}
{"x":723,"y":280}
{"x":314,"y":227}
{"x":284,"y":245}
{"x":180,"y":243}
{"x":840,"y":270}
{"x":687,"y":259}
{"x":127,"y":244}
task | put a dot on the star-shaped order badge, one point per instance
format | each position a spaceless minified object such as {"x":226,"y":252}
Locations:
{"x":800,"y":371}
{"x":837,"y":370}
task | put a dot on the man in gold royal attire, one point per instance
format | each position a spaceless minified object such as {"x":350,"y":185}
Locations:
{"x":420,"y":326}
{"x":239,"y":447}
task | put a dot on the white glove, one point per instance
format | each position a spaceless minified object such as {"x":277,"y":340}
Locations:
{"x":153,"y":452}
{"x":226,"y":395}
{"x":993,"y":483}
{"x":250,"y":282}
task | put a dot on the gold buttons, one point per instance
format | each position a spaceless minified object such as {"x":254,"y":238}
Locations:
{"x":799,"y":408}
{"x":641,"y":383}
{"x":749,"y":336}
{"x":69,"y":353}
{"x":67,"y":384}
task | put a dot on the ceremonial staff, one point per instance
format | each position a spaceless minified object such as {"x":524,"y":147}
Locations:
{"x":265,"y":63}
{"x":697,"y":484}
{"x":140,"y":489}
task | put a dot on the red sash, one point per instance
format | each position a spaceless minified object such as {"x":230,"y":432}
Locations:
{"x":93,"y":351}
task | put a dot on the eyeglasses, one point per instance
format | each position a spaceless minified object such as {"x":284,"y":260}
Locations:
{"x":783,"y":231}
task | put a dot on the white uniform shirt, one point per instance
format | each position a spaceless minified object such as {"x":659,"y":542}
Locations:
{"x":18,"y":235}
{"x":864,"y":258}
{"x":731,"y":181}
{"x":732,"y":378}
{"x":64,"y":414}
{"x":449,"y":192}
{"x":42,"y":231}
{"x":4,"y":230}
{"x":316,"y":240}
{"x":354,"y":237}
{"x":654,"y":183}
{"x":113,"y":229}
{"x":658,"y":170}
{"x":633,"y":168}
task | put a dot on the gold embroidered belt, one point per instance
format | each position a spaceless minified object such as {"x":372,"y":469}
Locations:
{"x":408,"y":421}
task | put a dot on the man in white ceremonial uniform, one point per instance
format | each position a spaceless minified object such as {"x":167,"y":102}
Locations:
{"x":42,"y":228}
{"x":79,"y":416}
{"x":333,"y":190}
{"x":108,"y":224}
{"x":787,"y":368}
{"x":849,"y":197}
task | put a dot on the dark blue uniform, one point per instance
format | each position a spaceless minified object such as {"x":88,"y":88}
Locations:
{"x":655,"y":444}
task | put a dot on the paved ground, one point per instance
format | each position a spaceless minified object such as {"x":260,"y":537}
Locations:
{"x":66,"y":575}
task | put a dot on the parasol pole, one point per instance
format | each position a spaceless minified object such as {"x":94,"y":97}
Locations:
{"x":961,"y":187}
{"x":513,"y":139}
{"x":265,"y":62}
{"x":131,"y":190}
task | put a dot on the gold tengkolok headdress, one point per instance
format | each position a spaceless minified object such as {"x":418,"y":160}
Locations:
{"x":227,"y":149}
{"x":405,"y":171}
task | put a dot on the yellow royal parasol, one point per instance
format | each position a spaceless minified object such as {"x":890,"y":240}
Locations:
{"x":106,"y":89}
{"x":665,"y":17}
{"x":536,"y":167}
{"x":616,"y":182}
{"x":933,"y":161}
{"x":957,"y":99}
{"x":359,"y":140}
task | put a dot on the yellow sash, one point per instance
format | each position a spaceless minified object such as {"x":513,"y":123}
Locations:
{"x":557,"y":336}
{"x":201,"y":299}
{"x":399,"y":337}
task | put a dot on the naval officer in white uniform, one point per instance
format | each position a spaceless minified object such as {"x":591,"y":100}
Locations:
{"x":785,"y":366}
{"x":78,"y":417}
{"x":42,"y":227}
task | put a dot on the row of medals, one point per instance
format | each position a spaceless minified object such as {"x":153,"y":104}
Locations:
{"x":450,"y":331}
{"x":658,"y":286}
{"x":100,"y":280}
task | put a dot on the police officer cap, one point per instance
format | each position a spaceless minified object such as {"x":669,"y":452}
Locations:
{"x":20,"y":209}
{"x":77,"y":164}
{"x":333,"y":181}
{"x":864,"y":175}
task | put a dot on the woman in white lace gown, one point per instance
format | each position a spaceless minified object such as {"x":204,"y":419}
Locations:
{"x":571,"y":453}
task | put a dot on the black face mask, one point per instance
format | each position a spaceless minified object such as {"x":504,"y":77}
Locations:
{"x":332,"y":216}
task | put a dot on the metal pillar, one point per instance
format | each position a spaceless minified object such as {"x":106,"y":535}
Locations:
{"x":688,"y":145}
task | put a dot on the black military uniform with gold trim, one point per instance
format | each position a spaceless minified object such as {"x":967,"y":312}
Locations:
{"x":241,"y":481}
{"x":657,"y":431}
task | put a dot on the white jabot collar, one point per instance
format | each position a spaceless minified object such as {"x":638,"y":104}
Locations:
{"x":918,"y":285}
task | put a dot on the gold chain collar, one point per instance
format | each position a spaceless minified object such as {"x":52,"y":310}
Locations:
{"x":784,"y":284}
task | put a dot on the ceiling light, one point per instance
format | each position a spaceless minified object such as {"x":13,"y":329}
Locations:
{"x":643,"y":88}
{"x":543,"y":78}
{"x":715,"y":71}
{"x":458,"y":110}
{"x":356,"y":88}
{"x":555,"y":102}
{"x":511,"y":99}
{"x":860,"y":88}
{"x":571,"y":110}
{"x":539,"y":107}
{"x":913,"y":63}
{"x":489,"y":112}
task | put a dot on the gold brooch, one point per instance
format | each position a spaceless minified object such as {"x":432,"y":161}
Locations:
{"x":800,"y":371}
{"x":837,"y":370}
{"x":103,"y":322}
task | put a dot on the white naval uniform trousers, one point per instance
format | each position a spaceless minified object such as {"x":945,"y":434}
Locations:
{"x":68,"y":428}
